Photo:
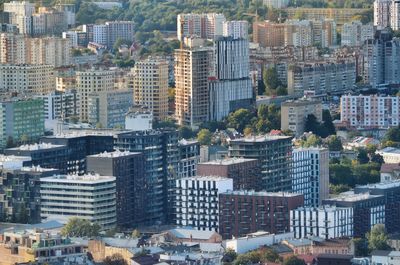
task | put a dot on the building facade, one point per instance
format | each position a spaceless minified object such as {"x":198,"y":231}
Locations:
{"x":207,"y":26}
{"x":325,"y":222}
{"x":90,"y":197}
{"x":196,"y":201}
{"x":129,"y":170}
{"x":275,"y":156}
{"x":245,"y":212}
{"x":370,"y":111}
{"x":310,"y":174}
{"x":237,"y":29}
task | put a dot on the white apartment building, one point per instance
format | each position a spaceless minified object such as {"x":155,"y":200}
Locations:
{"x":354,"y":33}
{"x":27,"y":79}
{"x":298,"y":33}
{"x":149,"y":81}
{"x":91,"y":81}
{"x":325,"y":222}
{"x":391,"y":155}
{"x":60,"y":105}
{"x":310,"y":174}
{"x":100,"y":34}
{"x":207,"y":26}
{"x":20,"y":15}
{"x":90,"y":197}
{"x":196,"y":201}
{"x":278,"y":4}
{"x":238,"y":29}
{"x":395,"y":15}
{"x":382,"y":13}
{"x":369,"y":111}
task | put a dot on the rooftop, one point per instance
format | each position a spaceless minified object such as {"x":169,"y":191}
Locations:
{"x":36,"y":147}
{"x":82,"y":133}
{"x":261,"y":193}
{"x":351,"y":197}
{"x":13,"y":158}
{"x":117,"y":153}
{"x":262,"y":138}
{"x":228,"y":161}
{"x":188,"y":142}
{"x":188,"y":232}
{"x":84,"y":179}
{"x":37,"y":169}
{"x":389,"y":168}
{"x":391,"y":150}
{"x":301,"y":102}
{"x":324,"y":208}
{"x":381,"y":185}
{"x":205,"y":178}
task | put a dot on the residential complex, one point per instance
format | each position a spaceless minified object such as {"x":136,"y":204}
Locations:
{"x":22,"y":121}
{"x":325,"y":222}
{"x":370,"y":111}
{"x":321,"y":78}
{"x":26,"y":79}
{"x":150,"y":86}
{"x":244,"y":212}
{"x":294,"y":114}
{"x":196,"y":201}
{"x":192,"y":70}
{"x":246,"y":173}
{"x":208,"y":26}
{"x":128,"y":168}
{"x":109,"y":32}
{"x":355,"y":33}
{"x":310,"y":174}
{"x":238,"y":29}
{"x":275,"y":156}
{"x":60,"y":105}
{"x":269,"y":34}
{"x":382,"y":13}
{"x":90,"y":197}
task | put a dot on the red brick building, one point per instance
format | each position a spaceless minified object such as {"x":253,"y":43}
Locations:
{"x":244,"y":212}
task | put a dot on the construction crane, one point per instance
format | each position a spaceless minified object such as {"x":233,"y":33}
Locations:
{"x":253,"y":15}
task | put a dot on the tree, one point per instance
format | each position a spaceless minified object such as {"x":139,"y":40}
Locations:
{"x":377,"y":158}
{"x":24,"y":139}
{"x":337,"y":189}
{"x":360,"y":247}
{"x":293,"y":260}
{"x":362,"y":156}
{"x":341,"y":174}
{"x":392,"y":135}
{"x":229,"y":256}
{"x":312,"y":141}
{"x":334,"y":143}
{"x":77,"y":227}
{"x":115,"y":259}
{"x":248,"y":131}
{"x":135,"y":233}
{"x":378,"y":238}
{"x":270,"y":77}
{"x":204,"y":137}
{"x":185,"y":132}
{"x":239,"y":119}
{"x":311,"y":124}
{"x":270,"y":255}
{"x":327,"y":122}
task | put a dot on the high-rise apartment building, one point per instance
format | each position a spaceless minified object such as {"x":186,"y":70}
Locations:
{"x":244,"y":212}
{"x":368,"y":210}
{"x":278,"y":4}
{"x":369,"y":111}
{"x":310,"y":174}
{"x":20,"y":14}
{"x":149,"y":82}
{"x":379,"y":59}
{"x":294,"y":114}
{"x":21,"y":120}
{"x":108,"y":108}
{"x":60,"y":105}
{"x":92,"y":81}
{"x":20,"y":195}
{"x":321,"y":78}
{"x":90,"y":197}
{"x":325,"y":222}
{"x":382,"y":13}
{"x":395,"y":15}
{"x":27,"y":79}
{"x":237,"y":29}
{"x":207,"y":26}
{"x":124,"y":30}
{"x":269,"y":34}
{"x":192,"y":70}
{"x":355,"y":33}
{"x":246,"y":173}
{"x":298,"y":33}
{"x":231,"y":89}
{"x":162,"y":155}
{"x":129,"y":170}
{"x":189,"y":156}
{"x":196,"y":201}
{"x":275,"y":155}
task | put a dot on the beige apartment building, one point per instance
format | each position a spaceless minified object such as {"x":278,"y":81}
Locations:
{"x":192,"y":70}
{"x":149,"y":81}
{"x":294,"y":114}
{"x":27,"y":79}
{"x":19,"y":49}
{"x":269,"y":34}
{"x":92,"y":81}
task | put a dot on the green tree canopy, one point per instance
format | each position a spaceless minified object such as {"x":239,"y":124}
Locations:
{"x":293,"y":260}
{"x":378,"y":238}
{"x":204,"y":137}
{"x":334,"y":143}
{"x":77,"y":227}
{"x":115,"y":259}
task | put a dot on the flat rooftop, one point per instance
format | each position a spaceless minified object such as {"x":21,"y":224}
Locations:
{"x":261,"y":193}
{"x":228,"y":161}
{"x":84,"y":179}
{"x":38,"y":169}
{"x":36,"y":147}
{"x":206,"y":178}
{"x":391,"y":150}
{"x":13,"y":158}
{"x":351,"y":197}
{"x":117,"y":153}
{"x":381,"y":185}
{"x":262,"y":138}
